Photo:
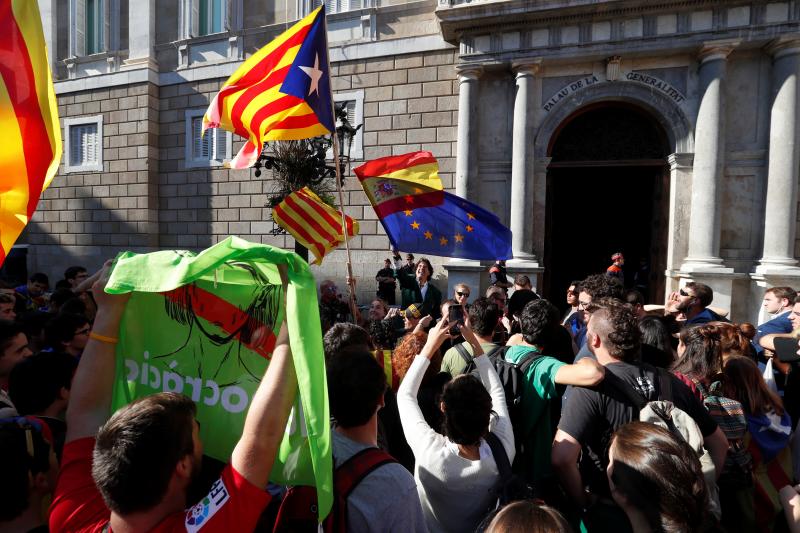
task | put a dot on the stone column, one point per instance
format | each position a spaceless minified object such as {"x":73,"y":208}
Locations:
{"x":525,"y":103}
{"x":784,"y":161}
{"x":709,"y":159}
{"x":680,"y":186}
{"x":467,"y":154}
{"x":142,"y":34}
{"x":48,"y":11}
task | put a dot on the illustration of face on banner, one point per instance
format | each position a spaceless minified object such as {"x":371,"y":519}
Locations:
{"x":210,"y":340}
{"x":204,"y":324}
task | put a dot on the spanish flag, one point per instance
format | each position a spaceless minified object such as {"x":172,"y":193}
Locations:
{"x":282,"y":92}
{"x":312,"y":222}
{"x":401,"y":182}
{"x":31,"y":148}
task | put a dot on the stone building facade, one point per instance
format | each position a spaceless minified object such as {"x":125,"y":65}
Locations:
{"x":664,"y":130}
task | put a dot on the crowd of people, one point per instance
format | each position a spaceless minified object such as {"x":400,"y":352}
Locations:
{"x":492,"y":412}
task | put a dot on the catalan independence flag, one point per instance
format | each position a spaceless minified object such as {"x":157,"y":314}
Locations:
{"x":401,"y":182}
{"x":312,"y":222}
{"x":31,"y":147}
{"x":282,"y":92}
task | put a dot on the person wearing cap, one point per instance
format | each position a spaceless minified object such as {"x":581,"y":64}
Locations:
{"x":411,"y":317}
{"x":615,"y":270}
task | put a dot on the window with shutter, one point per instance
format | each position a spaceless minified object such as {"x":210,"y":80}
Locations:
{"x":210,"y":150}
{"x":83,"y":144}
{"x":91,"y":26}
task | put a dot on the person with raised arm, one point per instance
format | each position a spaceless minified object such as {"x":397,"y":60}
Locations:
{"x":130,"y":471}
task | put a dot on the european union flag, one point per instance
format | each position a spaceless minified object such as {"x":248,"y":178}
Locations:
{"x":455,"y":228}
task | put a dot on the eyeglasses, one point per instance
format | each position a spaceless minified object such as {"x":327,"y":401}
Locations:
{"x":583,"y":305}
{"x":462,"y":293}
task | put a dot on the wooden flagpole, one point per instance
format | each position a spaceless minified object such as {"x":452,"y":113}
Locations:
{"x":351,"y":281}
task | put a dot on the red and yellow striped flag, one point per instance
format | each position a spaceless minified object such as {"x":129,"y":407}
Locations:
{"x":312,"y":222}
{"x":282,"y":92}
{"x":400,"y":182}
{"x":31,"y":148}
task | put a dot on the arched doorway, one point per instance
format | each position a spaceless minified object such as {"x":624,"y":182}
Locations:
{"x":607,"y":191}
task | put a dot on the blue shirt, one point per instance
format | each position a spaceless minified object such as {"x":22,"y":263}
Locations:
{"x":706,"y":315}
{"x":779,"y":324}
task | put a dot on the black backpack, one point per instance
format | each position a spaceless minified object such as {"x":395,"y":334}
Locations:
{"x":512,"y":376}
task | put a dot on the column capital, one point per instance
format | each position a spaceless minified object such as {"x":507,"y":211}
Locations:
{"x":783,"y":46}
{"x":717,"y":50}
{"x":680,"y":161}
{"x":527,"y":68}
{"x":469,"y":71}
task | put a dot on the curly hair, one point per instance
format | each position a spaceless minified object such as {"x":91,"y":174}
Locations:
{"x":467,"y":409}
{"x":617,"y":327}
{"x":405,"y":352}
{"x":537,"y":322}
{"x":660,"y":475}
{"x":702,"y":358}
{"x":382,"y":334}
{"x":428,"y":265}
{"x":602,"y":286}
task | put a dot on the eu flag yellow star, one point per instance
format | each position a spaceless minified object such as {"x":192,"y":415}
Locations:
{"x":470,"y":228}
{"x":470,"y":216}
{"x":408,"y":212}
{"x":443,"y":241}
{"x":428,"y":235}
{"x":415,"y":225}
{"x":459,"y":237}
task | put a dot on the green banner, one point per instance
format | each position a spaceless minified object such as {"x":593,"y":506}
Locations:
{"x":205,"y":325}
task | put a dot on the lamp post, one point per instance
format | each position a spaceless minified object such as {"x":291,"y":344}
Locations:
{"x":297,"y":164}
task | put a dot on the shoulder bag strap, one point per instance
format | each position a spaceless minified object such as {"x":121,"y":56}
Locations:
{"x":462,"y":351}
{"x":526,"y":362}
{"x":500,"y":456}
{"x":350,"y":473}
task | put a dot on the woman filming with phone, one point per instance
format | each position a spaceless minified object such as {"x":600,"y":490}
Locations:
{"x":456,"y":472}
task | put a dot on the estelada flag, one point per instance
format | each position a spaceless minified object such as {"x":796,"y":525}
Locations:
{"x":31,"y":148}
{"x":282,"y":92}
{"x":401,"y":182}
{"x":312,"y":222}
